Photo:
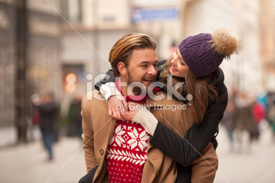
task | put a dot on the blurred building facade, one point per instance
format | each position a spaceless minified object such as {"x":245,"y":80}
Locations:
{"x":67,"y":39}
{"x":30,"y":49}
{"x":8,"y":40}
{"x":7,"y":62}
{"x":44,"y":47}
{"x":91,"y":28}
{"x":267,"y":42}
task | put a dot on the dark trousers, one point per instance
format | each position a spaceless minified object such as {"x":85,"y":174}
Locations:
{"x":88,"y":178}
{"x":48,"y":142}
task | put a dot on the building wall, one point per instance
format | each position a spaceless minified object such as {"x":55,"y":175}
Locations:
{"x":7,"y":63}
{"x":195,"y":16}
{"x":208,"y":15}
{"x":267,"y":42}
{"x":89,"y":40}
{"x":165,"y":31}
{"x":82,"y":50}
{"x":44,"y":72}
{"x":42,"y":48}
{"x":243,"y":71}
{"x":113,"y":13}
{"x":249,"y":68}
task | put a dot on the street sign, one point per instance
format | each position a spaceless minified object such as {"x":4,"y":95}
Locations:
{"x":146,"y":3}
{"x":140,"y":14}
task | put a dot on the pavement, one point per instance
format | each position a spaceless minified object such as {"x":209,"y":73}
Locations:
{"x":27,"y":162}
{"x":247,"y":165}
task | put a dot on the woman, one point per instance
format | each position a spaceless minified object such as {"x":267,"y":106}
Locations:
{"x":196,"y":63}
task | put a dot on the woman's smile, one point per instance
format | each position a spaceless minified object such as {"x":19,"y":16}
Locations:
{"x":173,"y":68}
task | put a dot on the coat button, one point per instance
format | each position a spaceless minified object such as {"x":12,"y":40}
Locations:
{"x":101,"y":151}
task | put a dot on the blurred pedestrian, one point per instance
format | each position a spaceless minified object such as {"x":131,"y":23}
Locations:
{"x":244,"y":122}
{"x":270,"y":103}
{"x":229,"y":123}
{"x":271,"y":116}
{"x":258,"y":110}
{"x":76,"y":118}
{"x":36,"y":114}
{"x":35,"y":133}
{"x":48,"y":114}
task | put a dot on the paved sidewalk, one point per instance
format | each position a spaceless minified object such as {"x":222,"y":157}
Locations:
{"x":254,"y":166}
{"x":26,"y":163}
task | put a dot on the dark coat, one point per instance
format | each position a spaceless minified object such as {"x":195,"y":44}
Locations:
{"x":244,"y":118}
{"x":48,"y":112}
{"x":196,"y":138}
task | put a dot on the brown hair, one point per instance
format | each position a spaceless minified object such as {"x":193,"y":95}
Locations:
{"x":198,"y":87}
{"x":123,"y":48}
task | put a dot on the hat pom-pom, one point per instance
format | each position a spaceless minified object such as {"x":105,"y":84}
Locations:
{"x":224,"y":42}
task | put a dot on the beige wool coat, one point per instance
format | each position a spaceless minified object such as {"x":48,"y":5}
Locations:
{"x":98,"y":129}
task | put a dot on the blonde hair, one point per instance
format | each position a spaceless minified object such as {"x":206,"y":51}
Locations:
{"x":123,"y":48}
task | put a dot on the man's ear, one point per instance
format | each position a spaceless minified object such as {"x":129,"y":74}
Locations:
{"x":121,"y":68}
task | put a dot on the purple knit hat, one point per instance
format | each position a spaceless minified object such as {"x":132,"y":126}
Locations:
{"x":203,"y":53}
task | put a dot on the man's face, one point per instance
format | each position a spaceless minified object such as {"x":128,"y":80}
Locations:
{"x":142,"y":68}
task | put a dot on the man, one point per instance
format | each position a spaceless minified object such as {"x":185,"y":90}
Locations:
{"x":117,"y":150}
{"x":116,"y":157}
{"x":48,"y":114}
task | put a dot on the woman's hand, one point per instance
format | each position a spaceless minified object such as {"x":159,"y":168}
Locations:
{"x":117,"y":106}
{"x":139,"y":114}
{"x":133,"y":110}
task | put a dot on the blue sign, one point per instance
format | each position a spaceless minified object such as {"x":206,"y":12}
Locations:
{"x":140,"y":14}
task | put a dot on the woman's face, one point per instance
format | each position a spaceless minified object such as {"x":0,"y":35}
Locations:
{"x":178,"y":67}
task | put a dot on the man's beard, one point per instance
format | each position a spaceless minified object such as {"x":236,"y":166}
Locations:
{"x":137,"y":90}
